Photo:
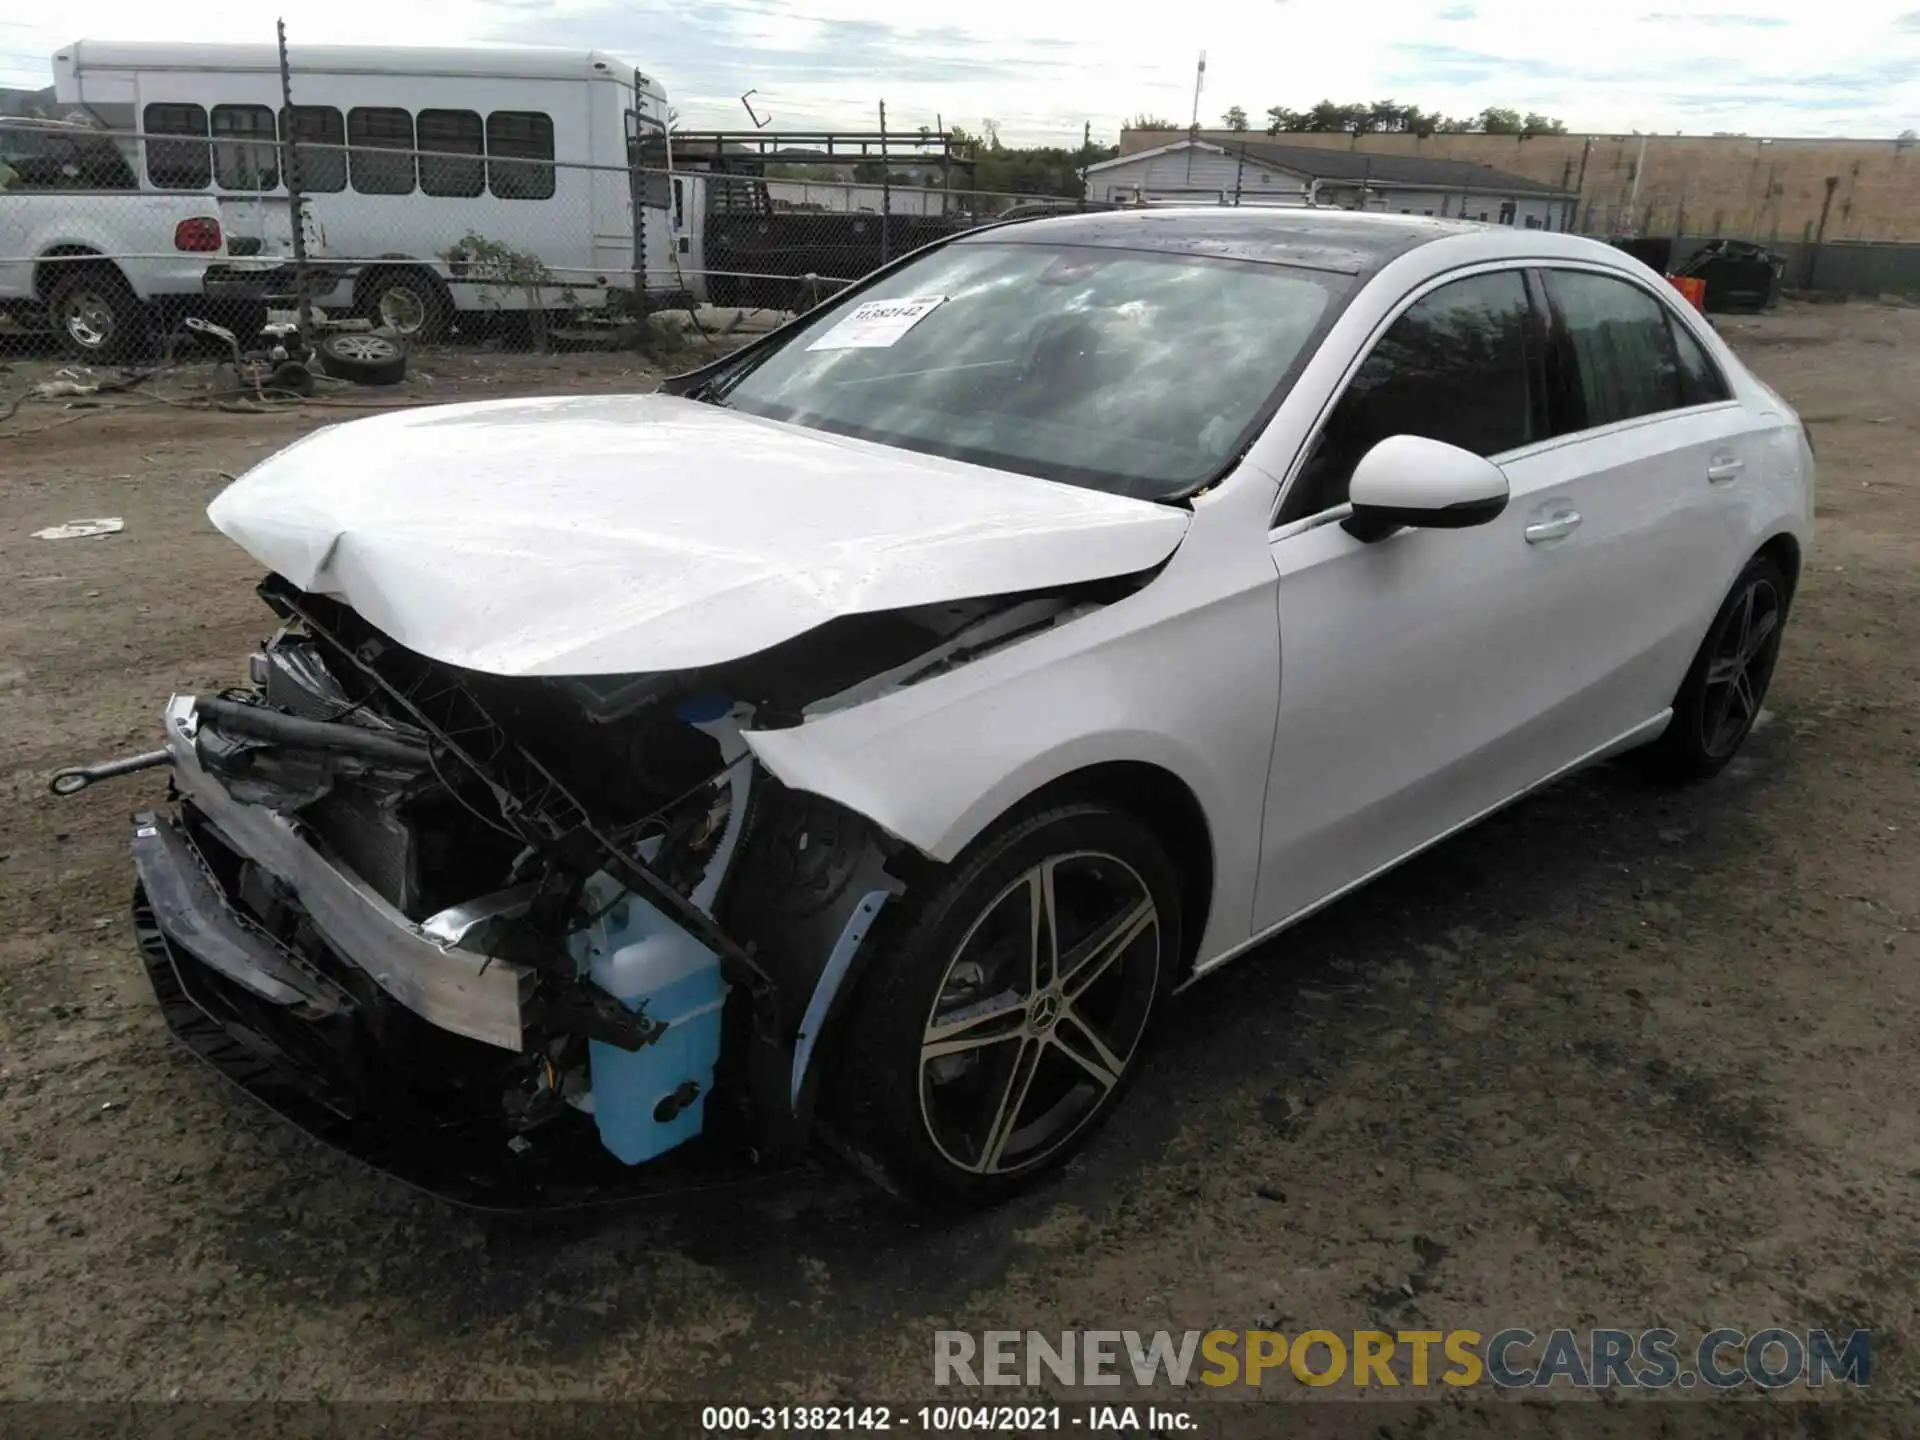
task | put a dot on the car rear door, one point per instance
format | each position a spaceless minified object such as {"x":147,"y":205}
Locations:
{"x":1421,"y":680}
{"x":1637,"y":498}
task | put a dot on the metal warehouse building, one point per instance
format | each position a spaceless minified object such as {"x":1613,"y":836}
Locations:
{"x":1261,"y":172}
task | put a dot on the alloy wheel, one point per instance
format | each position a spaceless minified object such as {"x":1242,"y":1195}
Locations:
{"x":371,"y":349}
{"x":1039,"y":1013}
{"x":1741,"y":666}
{"x":89,"y":319}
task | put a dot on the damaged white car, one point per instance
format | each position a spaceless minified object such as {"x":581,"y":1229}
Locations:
{"x":867,"y":735}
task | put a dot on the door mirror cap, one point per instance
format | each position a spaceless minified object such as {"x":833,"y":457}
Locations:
{"x":1409,"y":480}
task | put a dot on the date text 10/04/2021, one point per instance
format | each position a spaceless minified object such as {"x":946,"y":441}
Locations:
{"x":963,"y":1419}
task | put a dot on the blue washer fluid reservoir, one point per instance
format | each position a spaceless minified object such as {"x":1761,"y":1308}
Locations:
{"x":649,"y":1100}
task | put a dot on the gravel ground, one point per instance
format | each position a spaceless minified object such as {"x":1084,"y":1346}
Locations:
{"x":1617,"y":1057}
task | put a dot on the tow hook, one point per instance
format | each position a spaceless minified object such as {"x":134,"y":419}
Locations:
{"x":76,"y":778}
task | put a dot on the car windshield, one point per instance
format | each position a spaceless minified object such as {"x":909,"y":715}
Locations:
{"x":1134,"y":372}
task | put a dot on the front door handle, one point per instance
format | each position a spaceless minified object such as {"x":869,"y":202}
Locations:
{"x":1724,"y":468}
{"x":1556,"y":526}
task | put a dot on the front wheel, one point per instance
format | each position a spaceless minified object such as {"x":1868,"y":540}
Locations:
{"x":1002,"y":1023}
{"x":1720,"y":699}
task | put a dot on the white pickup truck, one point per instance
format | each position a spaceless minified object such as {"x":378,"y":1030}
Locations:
{"x":87,"y":254}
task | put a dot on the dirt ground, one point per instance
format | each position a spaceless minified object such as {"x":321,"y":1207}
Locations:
{"x":1617,"y":1057}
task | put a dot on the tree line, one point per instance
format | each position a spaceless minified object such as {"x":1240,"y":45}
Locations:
{"x":1378,"y":117}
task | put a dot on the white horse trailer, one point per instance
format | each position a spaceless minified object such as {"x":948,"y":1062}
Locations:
{"x":437,"y":181}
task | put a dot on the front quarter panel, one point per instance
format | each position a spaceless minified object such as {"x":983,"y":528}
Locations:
{"x":1183,"y":674}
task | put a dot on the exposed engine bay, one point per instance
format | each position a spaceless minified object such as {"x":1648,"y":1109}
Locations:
{"x":521,"y":913}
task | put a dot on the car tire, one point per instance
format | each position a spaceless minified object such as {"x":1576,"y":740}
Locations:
{"x":963,"y":1075}
{"x":405,"y":301}
{"x":362,"y":356}
{"x":1726,"y":685}
{"x":96,"y":315}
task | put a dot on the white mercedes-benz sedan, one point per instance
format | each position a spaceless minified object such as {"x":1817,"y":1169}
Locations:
{"x":868,"y":734}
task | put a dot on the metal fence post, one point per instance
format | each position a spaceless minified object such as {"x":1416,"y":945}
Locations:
{"x":296,"y":204}
{"x":637,"y":184}
{"x":637,"y":201}
{"x":886,"y":186}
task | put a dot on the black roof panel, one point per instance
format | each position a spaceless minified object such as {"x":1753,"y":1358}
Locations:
{"x":1336,"y":240}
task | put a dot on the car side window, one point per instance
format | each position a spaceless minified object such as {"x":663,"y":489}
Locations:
{"x":1701,"y":382}
{"x":1618,"y":360}
{"x":1457,"y":366}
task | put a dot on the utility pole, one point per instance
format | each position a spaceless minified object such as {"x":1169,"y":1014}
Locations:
{"x":1633,"y":198}
{"x":886,"y":187}
{"x":1193,"y":124}
{"x":946,"y":158}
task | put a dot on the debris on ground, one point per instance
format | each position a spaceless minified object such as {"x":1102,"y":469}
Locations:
{"x":81,"y":529}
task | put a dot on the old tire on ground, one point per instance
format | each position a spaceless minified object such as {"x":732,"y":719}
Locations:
{"x":1727,"y":683}
{"x":975,"y":1058}
{"x":362,"y":357}
{"x":96,"y":315}
{"x":405,"y":300}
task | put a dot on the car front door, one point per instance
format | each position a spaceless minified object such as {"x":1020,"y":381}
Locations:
{"x":1420,"y":682}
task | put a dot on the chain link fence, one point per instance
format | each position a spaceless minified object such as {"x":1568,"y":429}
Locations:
{"x":441,"y":227}
{"x":462,"y":228}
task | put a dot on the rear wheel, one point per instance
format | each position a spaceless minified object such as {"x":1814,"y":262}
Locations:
{"x":96,"y":315}
{"x":1720,"y":699}
{"x":410,"y":303}
{"x":1001,"y":1026}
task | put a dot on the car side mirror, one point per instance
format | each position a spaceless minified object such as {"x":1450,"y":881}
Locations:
{"x":1409,"y":480}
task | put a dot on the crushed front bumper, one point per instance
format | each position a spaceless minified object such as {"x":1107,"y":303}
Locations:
{"x":322,"y":1044}
{"x":466,"y":993}
{"x":227,"y":1022}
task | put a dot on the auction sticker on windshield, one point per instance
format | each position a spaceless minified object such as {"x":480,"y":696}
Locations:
{"x":876,"y":324}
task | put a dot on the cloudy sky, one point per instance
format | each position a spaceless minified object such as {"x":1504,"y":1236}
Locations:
{"x":1040,"y":68}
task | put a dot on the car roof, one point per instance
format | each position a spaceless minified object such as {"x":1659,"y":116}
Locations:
{"x":1347,"y":242}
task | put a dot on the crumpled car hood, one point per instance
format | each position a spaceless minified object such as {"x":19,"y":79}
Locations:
{"x":597,"y":535}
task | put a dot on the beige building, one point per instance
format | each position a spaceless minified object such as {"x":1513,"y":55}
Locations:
{"x":1771,"y":190}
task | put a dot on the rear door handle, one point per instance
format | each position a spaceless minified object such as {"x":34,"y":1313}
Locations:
{"x":1724,"y":468}
{"x":1556,"y":526}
